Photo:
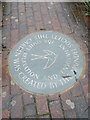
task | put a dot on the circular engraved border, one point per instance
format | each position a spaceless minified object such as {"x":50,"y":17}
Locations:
{"x":49,"y":93}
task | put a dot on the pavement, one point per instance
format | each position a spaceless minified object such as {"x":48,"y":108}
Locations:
{"x":21,"y":19}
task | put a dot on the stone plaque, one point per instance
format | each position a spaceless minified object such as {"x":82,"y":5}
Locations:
{"x":46,"y":63}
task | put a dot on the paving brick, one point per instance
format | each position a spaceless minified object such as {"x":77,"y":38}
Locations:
{"x":84,"y":47}
{"x":14,"y":25}
{"x":17,"y":107}
{"x":36,"y":7}
{"x":53,"y":97}
{"x":14,"y":6}
{"x":14,"y":14}
{"x":4,"y":70}
{"x":37,"y":16}
{"x":21,"y":7}
{"x":44,"y":10}
{"x":45,"y":116}
{"x":52,"y":13}
{"x":31,"y":29}
{"x":6,"y":10}
{"x":6,"y":20}
{"x":46,"y":19}
{"x":28,"y":4}
{"x":55,"y":24}
{"x":48,"y":27}
{"x":14,"y":35}
{"x":30,"y":117}
{"x":30,"y":110}
{"x":5,"y":97}
{"x":28,"y":98}
{"x":6,"y":31}
{"x":64,"y":24}
{"x":42,"y":105}
{"x":43,"y":3}
{"x":29,"y":12}
{"x":58,"y":8}
{"x":80,"y":106}
{"x":0,"y":16}
{"x":70,"y":114}
{"x":30,"y":21}
{"x":15,"y":89}
{"x":64,"y":97}
{"x":39,"y":25}
{"x":22,"y":35}
{"x":85,"y":89}
{"x":22,"y":18}
{"x":22,"y":30}
{"x":5,"y":114}
{"x":5,"y":82}
{"x":55,"y":109}
{"x":84,"y":80}
{"x":77,"y":90}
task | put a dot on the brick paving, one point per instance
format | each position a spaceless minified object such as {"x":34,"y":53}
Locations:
{"x":21,"y":19}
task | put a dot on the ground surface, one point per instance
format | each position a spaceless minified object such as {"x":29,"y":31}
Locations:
{"x":20,"y":19}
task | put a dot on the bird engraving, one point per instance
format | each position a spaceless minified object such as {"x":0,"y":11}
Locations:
{"x":47,"y":54}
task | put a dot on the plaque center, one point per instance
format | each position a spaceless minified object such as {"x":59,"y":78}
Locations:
{"x":46,"y":55}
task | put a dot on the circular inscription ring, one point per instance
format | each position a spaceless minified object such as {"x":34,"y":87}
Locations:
{"x":46,"y":63}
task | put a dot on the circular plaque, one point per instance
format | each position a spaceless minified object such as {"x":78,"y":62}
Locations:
{"x":46,"y":63}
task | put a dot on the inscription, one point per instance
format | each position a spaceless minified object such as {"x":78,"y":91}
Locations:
{"x":46,"y":62}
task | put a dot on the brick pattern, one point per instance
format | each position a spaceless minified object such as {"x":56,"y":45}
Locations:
{"x":42,"y":105}
{"x":56,"y":110}
{"x":20,"y":19}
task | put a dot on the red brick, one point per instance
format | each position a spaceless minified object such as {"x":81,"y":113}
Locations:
{"x":42,"y":105}
{"x":39,"y":25}
{"x":77,"y":90}
{"x":46,"y":19}
{"x":5,"y":96}
{"x":53,"y":97}
{"x":58,"y":7}
{"x":5,"y":82}
{"x":22,"y":18}
{"x":29,"y":110}
{"x":4,"y":72}
{"x":64,"y":97}
{"x":36,"y":7}
{"x":6,"y":20}
{"x":29,"y":12}
{"x":85,"y":89}
{"x":28,"y":4}
{"x":44,"y":10}
{"x":21,"y":7}
{"x":55,"y":109}
{"x":15,"y":89}
{"x":83,"y":47}
{"x":30,"y":21}
{"x":23,"y":35}
{"x":31,"y":29}
{"x":45,"y":116}
{"x":5,"y":113}
{"x":70,"y":114}
{"x":17,"y":109}
{"x":88,"y":99}
{"x":64,"y":24}
{"x":28,"y":98}
{"x":37,"y":16}
{"x":14,"y":5}
{"x":55,"y":24}
{"x":14,"y":35}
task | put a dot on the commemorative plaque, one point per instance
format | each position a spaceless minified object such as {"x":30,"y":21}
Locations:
{"x":46,"y":63}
